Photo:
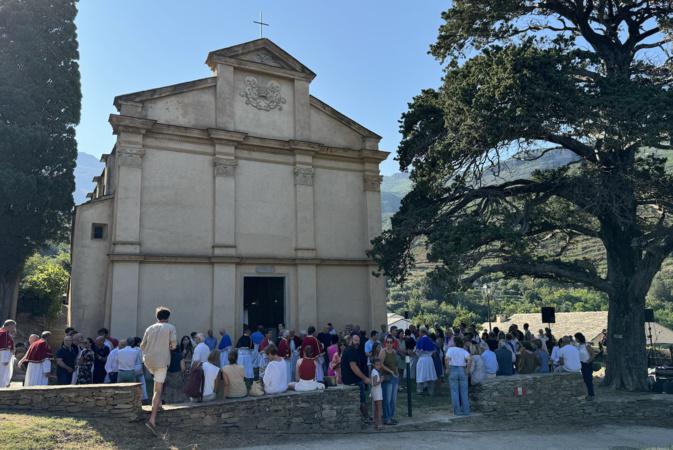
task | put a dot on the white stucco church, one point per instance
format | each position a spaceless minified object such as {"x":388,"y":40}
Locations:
{"x":238,"y":198}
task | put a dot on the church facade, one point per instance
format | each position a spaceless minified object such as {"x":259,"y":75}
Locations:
{"x":238,"y":198}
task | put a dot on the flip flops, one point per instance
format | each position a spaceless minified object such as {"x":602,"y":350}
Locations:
{"x":152,"y":428}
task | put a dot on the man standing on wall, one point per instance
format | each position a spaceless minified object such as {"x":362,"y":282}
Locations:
{"x":157,"y":343}
{"x":7,"y":352}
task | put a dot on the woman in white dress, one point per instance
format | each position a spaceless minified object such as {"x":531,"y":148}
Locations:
{"x":425,"y":367}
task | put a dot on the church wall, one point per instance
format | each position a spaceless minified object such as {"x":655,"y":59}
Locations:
{"x":339,"y":214}
{"x":328,"y":131}
{"x":89,"y":267}
{"x":177,"y":203}
{"x":265,"y":211}
{"x":186,"y":289}
{"x":195,"y":108}
{"x":343,"y":295}
{"x":277,"y":123}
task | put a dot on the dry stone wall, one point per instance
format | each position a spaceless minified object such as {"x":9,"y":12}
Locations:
{"x":537,"y":395}
{"x":335,"y":408}
{"x":115,"y":401}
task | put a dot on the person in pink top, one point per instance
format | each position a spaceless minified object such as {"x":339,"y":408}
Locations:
{"x":334,"y":358}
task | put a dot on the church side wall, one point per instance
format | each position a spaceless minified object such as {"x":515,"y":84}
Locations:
{"x":342,"y":295}
{"x":339,"y":214}
{"x":89,"y":267}
{"x":176,"y":203}
{"x":265,"y":209}
{"x":186,"y":289}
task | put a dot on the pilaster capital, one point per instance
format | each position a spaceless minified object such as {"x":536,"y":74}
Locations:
{"x":372,"y":182}
{"x":224,"y":167}
{"x":130,"y":156}
{"x":303,"y":176}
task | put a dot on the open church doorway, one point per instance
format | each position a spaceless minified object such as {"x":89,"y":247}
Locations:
{"x":264,"y":301}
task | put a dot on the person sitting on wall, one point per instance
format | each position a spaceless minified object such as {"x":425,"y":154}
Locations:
{"x":569,"y":357}
{"x":526,"y":361}
{"x":503,"y":356}
{"x":306,"y":372}
{"x":275,"y":373}
{"x":234,"y":377}
{"x":211,"y":370}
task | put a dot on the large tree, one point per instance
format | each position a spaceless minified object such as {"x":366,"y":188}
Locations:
{"x":40,"y":101}
{"x":523,"y":78}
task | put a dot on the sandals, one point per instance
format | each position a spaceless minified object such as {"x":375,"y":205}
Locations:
{"x":152,"y":428}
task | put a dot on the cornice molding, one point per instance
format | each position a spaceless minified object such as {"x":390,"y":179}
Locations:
{"x":196,"y":259}
{"x":238,"y":139}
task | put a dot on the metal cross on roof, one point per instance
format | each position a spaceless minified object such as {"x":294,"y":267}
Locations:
{"x":261,"y":24}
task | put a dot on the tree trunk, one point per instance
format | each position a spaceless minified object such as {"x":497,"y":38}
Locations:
{"x":9,"y":294}
{"x":626,"y":352}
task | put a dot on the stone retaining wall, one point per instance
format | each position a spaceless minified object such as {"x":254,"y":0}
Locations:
{"x":118,"y":401}
{"x":336,"y":408}
{"x":536,"y":395}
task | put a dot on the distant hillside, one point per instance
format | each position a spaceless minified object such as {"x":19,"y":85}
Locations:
{"x":395,"y":187}
{"x":88,"y":166}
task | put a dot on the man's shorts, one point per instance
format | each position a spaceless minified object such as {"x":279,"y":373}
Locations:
{"x":158,"y":374}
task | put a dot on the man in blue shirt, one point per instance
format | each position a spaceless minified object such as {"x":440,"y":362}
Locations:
{"x":211,"y":341}
{"x":504,"y":356}
{"x":258,"y":336}
{"x":369,"y":345}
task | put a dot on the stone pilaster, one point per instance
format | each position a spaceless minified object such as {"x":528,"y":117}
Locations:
{"x":224,"y":208}
{"x":224,"y":312}
{"x":302,"y":110}
{"x":129,"y":164}
{"x":377,"y":285}
{"x":224,"y":100}
{"x":305,"y":215}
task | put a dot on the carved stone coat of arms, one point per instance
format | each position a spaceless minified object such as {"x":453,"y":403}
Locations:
{"x":265,"y":98}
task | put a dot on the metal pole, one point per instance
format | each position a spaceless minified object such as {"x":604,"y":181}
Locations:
{"x":488,"y":303}
{"x":407,"y":359}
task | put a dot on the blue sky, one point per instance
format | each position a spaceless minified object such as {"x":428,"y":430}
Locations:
{"x":370,"y":56}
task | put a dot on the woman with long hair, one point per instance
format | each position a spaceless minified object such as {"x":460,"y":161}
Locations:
{"x":186,"y":349}
{"x":85,"y":361}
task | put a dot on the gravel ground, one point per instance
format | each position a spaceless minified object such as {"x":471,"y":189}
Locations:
{"x":597,"y":437}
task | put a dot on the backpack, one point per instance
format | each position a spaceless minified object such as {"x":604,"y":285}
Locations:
{"x":194,"y":386}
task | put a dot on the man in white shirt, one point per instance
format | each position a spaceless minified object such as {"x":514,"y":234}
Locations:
{"x":201,"y":351}
{"x":569,"y":357}
{"x":129,"y":362}
{"x":275,"y":375}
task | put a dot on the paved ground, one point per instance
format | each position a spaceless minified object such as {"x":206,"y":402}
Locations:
{"x":599,"y":437}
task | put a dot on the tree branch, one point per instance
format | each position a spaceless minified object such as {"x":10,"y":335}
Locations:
{"x":558,"y":270}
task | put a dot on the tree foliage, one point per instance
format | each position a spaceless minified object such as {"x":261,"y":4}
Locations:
{"x":39,"y":107}
{"x":523,"y":78}
{"x":44,"y":282}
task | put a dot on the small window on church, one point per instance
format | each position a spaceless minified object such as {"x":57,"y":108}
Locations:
{"x":98,"y":230}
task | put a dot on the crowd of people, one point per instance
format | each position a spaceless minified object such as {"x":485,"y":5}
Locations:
{"x":201,"y":367}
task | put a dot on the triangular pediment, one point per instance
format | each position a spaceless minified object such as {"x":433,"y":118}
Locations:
{"x":259,"y":54}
